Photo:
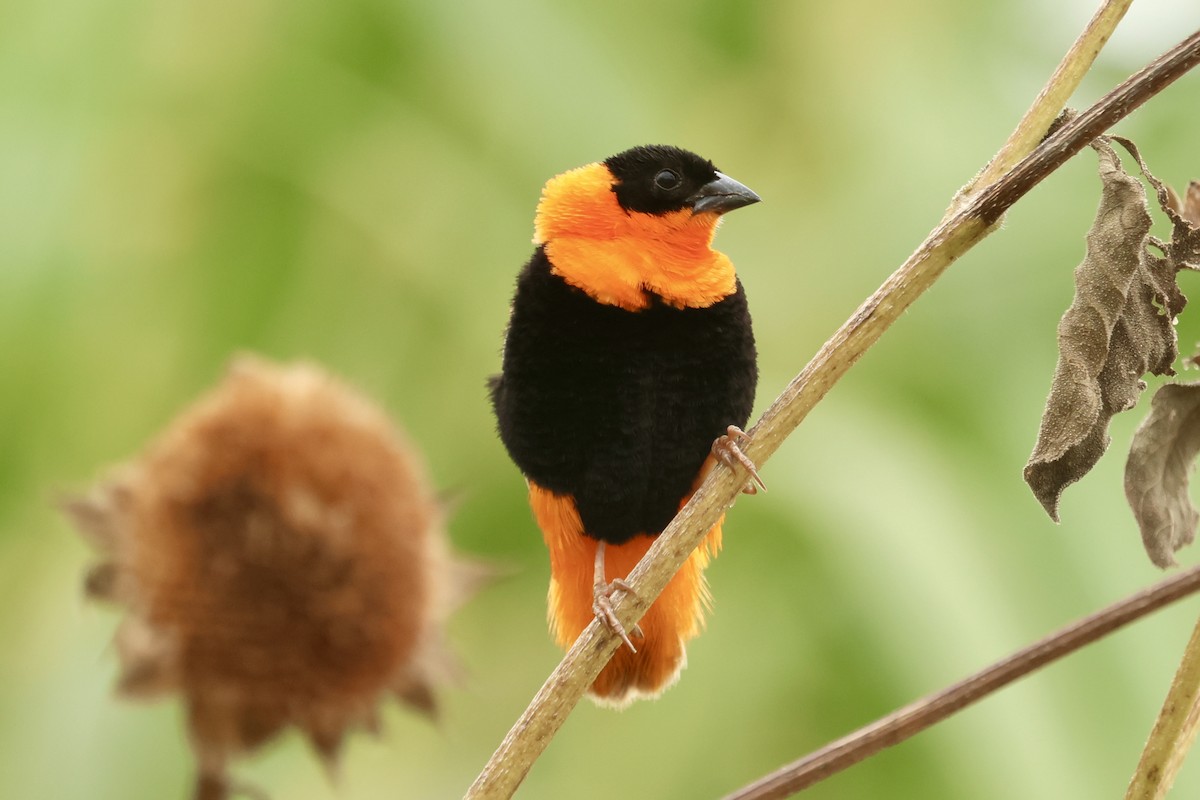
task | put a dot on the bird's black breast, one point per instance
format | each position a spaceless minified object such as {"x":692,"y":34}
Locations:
{"x":619,"y":408}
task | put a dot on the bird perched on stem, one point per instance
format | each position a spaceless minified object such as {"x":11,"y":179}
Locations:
{"x":629,"y":364}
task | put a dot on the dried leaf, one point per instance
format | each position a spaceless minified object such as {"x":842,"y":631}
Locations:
{"x":1183,"y":251}
{"x":327,"y":743}
{"x":148,"y":661}
{"x":420,"y":697}
{"x":1164,"y":448}
{"x":101,"y":580}
{"x":211,"y":787}
{"x":1161,"y":459}
{"x":103,"y":511}
{"x":217,"y":786}
{"x":1110,"y":336}
{"x":1191,"y":204}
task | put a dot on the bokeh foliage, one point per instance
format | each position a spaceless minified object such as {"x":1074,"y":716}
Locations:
{"x":354,"y":183}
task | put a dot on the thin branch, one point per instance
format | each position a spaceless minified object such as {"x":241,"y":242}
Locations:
{"x":1053,"y":97}
{"x":1173,"y":732}
{"x":535,"y":728}
{"x":916,"y":717}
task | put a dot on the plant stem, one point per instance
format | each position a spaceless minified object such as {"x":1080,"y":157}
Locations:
{"x":1173,"y":732}
{"x":1053,"y":97}
{"x":548,"y":710}
{"x":916,"y":717}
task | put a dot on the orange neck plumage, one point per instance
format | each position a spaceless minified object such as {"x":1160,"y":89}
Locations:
{"x":616,"y":257}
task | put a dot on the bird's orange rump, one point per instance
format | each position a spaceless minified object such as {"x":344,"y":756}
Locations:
{"x":676,"y":617}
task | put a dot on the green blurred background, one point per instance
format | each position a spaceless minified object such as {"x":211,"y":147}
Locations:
{"x":355,"y":183}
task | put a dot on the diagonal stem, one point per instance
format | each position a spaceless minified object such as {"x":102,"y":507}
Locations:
{"x":1054,"y":95}
{"x":1173,"y":732}
{"x":916,"y":717}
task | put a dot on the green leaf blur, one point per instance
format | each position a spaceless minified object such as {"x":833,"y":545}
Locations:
{"x":355,"y":183}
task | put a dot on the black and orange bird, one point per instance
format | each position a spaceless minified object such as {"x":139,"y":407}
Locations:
{"x":629,"y":363}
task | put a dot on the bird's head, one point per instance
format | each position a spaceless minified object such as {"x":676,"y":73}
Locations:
{"x":641,"y":221}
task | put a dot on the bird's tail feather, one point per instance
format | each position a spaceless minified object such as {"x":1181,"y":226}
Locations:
{"x":675,"y":617}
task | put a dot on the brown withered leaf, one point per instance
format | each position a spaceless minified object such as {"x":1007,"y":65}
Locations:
{"x":1191,"y":204}
{"x":1161,"y":459}
{"x":1164,"y":448}
{"x":1183,"y":251}
{"x":1118,"y":328}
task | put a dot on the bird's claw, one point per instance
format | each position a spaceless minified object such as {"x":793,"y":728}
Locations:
{"x":602,"y":607}
{"x":727,"y":447}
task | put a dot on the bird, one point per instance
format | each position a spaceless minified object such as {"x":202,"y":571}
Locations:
{"x":629,"y":369}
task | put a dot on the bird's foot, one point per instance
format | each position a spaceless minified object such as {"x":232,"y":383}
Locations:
{"x":602,"y":607}
{"x":728,"y":448}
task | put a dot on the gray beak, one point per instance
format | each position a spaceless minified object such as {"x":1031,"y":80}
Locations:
{"x":721,"y":195}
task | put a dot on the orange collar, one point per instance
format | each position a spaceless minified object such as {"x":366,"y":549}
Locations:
{"x":616,"y":256}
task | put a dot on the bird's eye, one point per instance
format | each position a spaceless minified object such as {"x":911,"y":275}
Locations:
{"x":667,"y":180}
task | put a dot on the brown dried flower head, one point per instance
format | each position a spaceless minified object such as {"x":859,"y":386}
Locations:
{"x":282,"y":560}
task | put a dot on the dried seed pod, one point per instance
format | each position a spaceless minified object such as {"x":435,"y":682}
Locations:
{"x":281,"y":557}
